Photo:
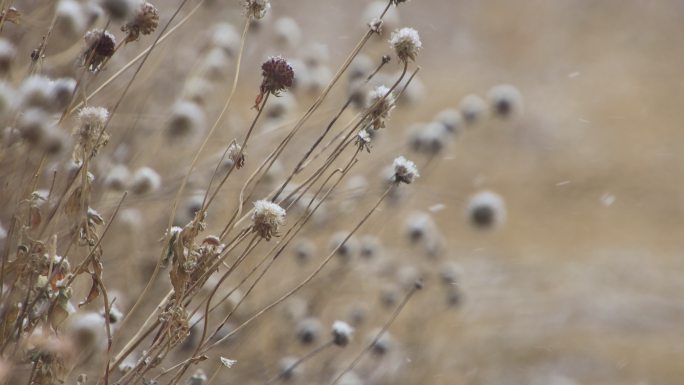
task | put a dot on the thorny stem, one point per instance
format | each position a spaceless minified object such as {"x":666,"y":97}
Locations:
{"x":352,"y":365}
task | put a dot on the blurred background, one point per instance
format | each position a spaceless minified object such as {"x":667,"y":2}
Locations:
{"x":579,"y":281}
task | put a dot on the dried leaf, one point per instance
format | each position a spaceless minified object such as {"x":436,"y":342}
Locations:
{"x":94,"y":292}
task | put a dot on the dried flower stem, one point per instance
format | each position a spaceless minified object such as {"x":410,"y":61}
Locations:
{"x":305,"y":281}
{"x":382,"y":331}
{"x":305,"y":357}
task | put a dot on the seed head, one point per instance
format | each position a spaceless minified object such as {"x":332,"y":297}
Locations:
{"x":100,"y":46}
{"x":144,"y":21}
{"x":287,"y":32}
{"x":309,"y":330}
{"x":70,"y":17}
{"x":267,"y":218}
{"x":472,"y":108}
{"x":505,"y":101}
{"x":405,"y":171}
{"x":198,"y":378}
{"x":341,"y":332}
{"x":186,"y":118}
{"x":89,"y":131}
{"x":117,"y":178}
{"x":119,"y":9}
{"x":406,"y":43}
{"x":145,"y":180}
{"x":381,"y":102}
{"x":363,"y":140}
{"x":288,"y":370}
{"x":7,"y":54}
{"x":256,"y":9}
{"x":451,"y":119}
{"x":277,"y":74}
{"x":486,"y":209}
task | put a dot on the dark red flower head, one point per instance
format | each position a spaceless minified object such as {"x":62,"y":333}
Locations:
{"x":278,"y":75}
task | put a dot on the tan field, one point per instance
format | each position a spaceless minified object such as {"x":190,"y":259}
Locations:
{"x":572,"y":278}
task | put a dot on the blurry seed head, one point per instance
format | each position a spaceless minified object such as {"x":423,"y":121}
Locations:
{"x":296,"y":308}
{"x":454,"y":296}
{"x":33,"y":125}
{"x":341,"y":332}
{"x":304,"y":250}
{"x":357,"y":314}
{"x":280,"y":107}
{"x":129,"y":362}
{"x":115,"y":315}
{"x":87,"y":331}
{"x":197,"y":90}
{"x":7,"y":55}
{"x":145,"y":180}
{"x":215,"y":64}
{"x":117,"y":178}
{"x":256,"y":9}
{"x":309,"y":330}
{"x":407,"y":276}
{"x":92,"y":118}
{"x":317,"y":79}
{"x":486,"y":209}
{"x":197,"y":378}
{"x":36,"y":91}
{"x":414,"y":93}
{"x":7,"y":96}
{"x":473,"y":109}
{"x":505,"y":101}
{"x":144,"y":21}
{"x":288,"y":370}
{"x":287,"y":32}
{"x":315,"y":55}
{"x":429,"y":139}
{"x":346,"y":249}
{"x":405,"y":171}
{"x":187,"y":118}
{"x":71,"y":17}
{"x":381,"y":102}
{"x":225,"y":37}
{"x":358,"y":92}
{"x":361,"y":67}
{"x":267,"y":218}
{"x":62,"y":90}
{"x":391,"y":20}
{"x":371,"y":247}
{"x":419,"y":227}
{"x":383,"y":345}
{"x":389,"y":295}
{"x":120,"y":10}
{"x":450,"y":273}
{"x":451,"y":119}
{"x":406,"y":43}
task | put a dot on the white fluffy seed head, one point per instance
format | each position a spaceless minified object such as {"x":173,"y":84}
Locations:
{"x":87,"y":330}
{"x":345,"y":249}
{"x":429,"y":139}
{"x":225,"y":37}
{"x":486,"y":209}
{"x":93,"y":117}
{"x":381,"y":102}
{"x":120,"y":10}
{"x":7,"y":55}
{"x":451,"y":119}
{"x":198,"y":378}
{"x":309,"y":330}
{"x":256,"y":9}
{"x":341,"y":332}
{"x":36,"y":91}
{"x":145,"y":180}
{"x":287,"y":32}
{"x":71,"y":18}
{"x":187,"y":118}
{"x":6,"y":99}
{"x":62,"y":91}
{"x":405,"y":171}
{"x":406,"y":43}
{"x":117,"y":178}
{"x":505,"y":101}
{"x":473,"y":109}
{"x":288,"y":370}
{"x":267,"y":218}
